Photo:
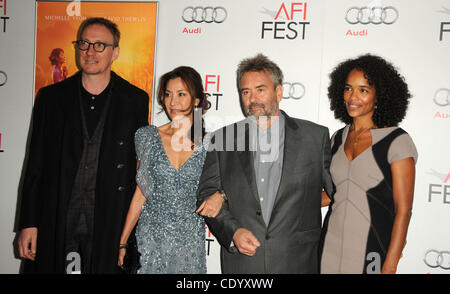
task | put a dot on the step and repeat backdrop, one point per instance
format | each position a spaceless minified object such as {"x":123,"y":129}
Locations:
{"x":307,"y":39}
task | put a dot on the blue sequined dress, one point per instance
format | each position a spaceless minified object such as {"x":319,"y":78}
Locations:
{"x":170,"y":235}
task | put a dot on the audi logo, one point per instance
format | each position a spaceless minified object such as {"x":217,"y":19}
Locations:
{"x":374,"y":15}
{"x":434,"y":258}
{"x":293,"y":90}
{"x":3,"y":78}
{"x":207,"y":14}
{"x":442,"y":97}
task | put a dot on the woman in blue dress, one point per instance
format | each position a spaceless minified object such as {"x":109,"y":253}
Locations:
{"x":170,"y":234}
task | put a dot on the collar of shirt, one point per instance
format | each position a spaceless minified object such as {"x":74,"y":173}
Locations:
{"x":264,"y":141}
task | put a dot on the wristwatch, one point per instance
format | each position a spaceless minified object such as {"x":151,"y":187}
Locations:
{"x":224,"y":196}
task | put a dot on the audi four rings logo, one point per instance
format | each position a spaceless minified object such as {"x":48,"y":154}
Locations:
{"x":434,"y":258}
{"x":374,"y":15}
{"x":3,"y":78}
{"x":442,"y":97}
{"x":207,"y":14}
{"x":293,"y":90}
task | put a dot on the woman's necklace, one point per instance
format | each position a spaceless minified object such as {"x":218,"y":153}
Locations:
{"x":356,"y":140}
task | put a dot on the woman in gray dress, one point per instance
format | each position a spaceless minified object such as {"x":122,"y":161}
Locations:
{"x":373,"y":169}
{"x":170,"y":235}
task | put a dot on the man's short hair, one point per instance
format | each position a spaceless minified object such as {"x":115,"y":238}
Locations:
{"x":259,"y":63}
{"x":112,"y":27}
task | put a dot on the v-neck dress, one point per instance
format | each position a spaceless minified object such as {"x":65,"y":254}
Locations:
{"x":359,"y":222}
{"x":170,"y":235}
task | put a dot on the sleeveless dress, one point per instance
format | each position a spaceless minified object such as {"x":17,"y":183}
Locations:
{"x":358,"y":226}
{"x":170,"y":235}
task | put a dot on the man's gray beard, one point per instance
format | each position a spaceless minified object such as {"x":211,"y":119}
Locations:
{"x":266,"y":115}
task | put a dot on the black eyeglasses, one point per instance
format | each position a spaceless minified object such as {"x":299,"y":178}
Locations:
{"x":84,"y":45}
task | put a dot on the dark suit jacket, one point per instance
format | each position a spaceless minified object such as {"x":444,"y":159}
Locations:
{"x":56,"y":145}
{"x":289,"y":243}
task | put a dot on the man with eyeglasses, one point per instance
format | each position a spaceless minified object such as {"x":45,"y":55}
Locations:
{"x":80,"y":175}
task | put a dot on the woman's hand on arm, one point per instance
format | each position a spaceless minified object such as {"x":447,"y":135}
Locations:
{"x":211,"y":206}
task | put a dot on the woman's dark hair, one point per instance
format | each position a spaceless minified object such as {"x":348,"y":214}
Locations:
{"x":391,"y":90}
{"x":54,"y":56}
{"x":194,"y":84}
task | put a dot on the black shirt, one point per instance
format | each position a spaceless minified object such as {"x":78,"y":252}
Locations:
{"x":93,"y":106}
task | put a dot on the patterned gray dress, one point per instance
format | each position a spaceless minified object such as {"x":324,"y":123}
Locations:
{"x":170,"y":235}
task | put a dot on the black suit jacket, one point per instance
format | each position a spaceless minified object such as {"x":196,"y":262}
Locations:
{"x":289,"y":243}
{"x":55,"y":149}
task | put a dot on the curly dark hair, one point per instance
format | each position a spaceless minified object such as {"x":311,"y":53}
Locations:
{"x":391,"y":89}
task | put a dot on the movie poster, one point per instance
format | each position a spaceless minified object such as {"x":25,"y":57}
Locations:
{"x":57,"y":23}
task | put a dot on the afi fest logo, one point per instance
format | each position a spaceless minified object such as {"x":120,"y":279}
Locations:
{"x":441,"y":190}
{"x":445,"y":26}
{"x":3,"y":17}
{"x":209,"y":238}
{"x":289,"y":21}
{"x":212,"y":89}
{"x":442,"y":99}
{"x":374,"y":14}
{"x":202,"y":15}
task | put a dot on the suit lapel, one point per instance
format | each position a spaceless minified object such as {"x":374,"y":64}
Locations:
{"x":74,"y":108}
{"x":292,"y":149}
{"x":72,"y":136}
{"x":113,"y":114}
{"x":246,"y":160}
